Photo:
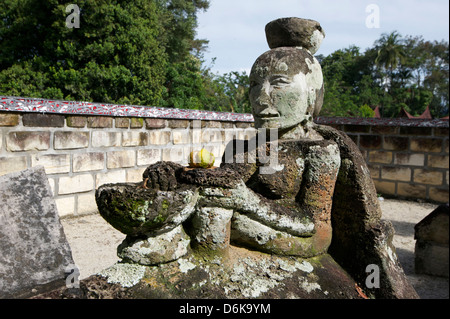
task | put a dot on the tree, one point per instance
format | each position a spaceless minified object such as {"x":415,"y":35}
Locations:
{"x":185,"y":82}
{"x":390,"y":54}
{"x":349,"y":85}
{"x":124,"y":51}
{"x":235,"y":87}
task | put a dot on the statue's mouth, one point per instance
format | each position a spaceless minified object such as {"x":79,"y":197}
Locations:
{"x":268,"y":117}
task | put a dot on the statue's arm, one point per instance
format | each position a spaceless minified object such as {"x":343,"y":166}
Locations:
{"x":322,"y":164}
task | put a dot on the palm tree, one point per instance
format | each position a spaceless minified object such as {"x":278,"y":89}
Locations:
{"x":390,"y":53}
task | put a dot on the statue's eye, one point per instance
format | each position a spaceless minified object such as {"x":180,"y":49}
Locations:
{"x":279,"y":81}
{"x":253,"y":83}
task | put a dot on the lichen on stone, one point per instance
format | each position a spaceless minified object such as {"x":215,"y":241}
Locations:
{"x":127,"y":275}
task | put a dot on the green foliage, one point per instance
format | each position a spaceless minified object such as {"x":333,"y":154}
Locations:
{"x":145,"y":52}
{"x":396,"y":73}
{"x":123,"y":52}
{"x":366,"y":111}
{"x":234,"y":87}
{"x":184,"y":84}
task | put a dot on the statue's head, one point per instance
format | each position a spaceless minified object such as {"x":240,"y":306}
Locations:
{"x":286,"y":87}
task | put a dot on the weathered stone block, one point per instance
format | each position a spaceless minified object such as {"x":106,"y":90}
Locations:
{"x":134,"y":139}
{"x":211,"y":124}
{"x":66,"y":206}
{"x":76,"y":121}
{"x":12,"y":164}
{"x":148,"y":157}
{"x":175,"y":155}
{"x":181,"y":137}
{"x":432,"y":145}
{"x":122,"y":122}
{"x":381,"y":157}
{"x":356,"y":128}
{"x":159,"y":137}
{"x":246,"y":134}
{"x":416,"y":131}
{"x":53,"y":163}
{"x":178,"y":123}
{"x":7,"y":119}
{"x":440,"y":195}
{"x":431,"y":259}
{"x":86,"y":204}
{"x":43,"y":120}
{"x":372,"y":142}
{"x":243,"y":125}
{"x":70,"y":140}
{"x":106,"y":139}
{"x":388,"y":188}
{"x":136,"y":122}
{"x":51,"y":181}
{"x":374,"y":171}
{"x":441,"y":131}
{"x":412,"y":190}
{"x":34,"y":252}
{"x":100,"y":122}
{"x":384,"y":130}
{"x":227,"y":125}
{"x":121,"y":159}
{"x":134,"y":175}
{"x":153,"y":124}
{"x":229,"y":135}
{"x":426,"y":176}
{"x":393,"y":143}
{"x":432,"y":250}
{"x":396,"y":174}
{"x":212,"y":136}
{"x":113,"y":177}
{"x":27,"y":141}
{"x":76,"y":184}
{"x":88,"y":162}
{"x":195,"y":136}
{"x":438,"y":161}
{"x":409,"y":159}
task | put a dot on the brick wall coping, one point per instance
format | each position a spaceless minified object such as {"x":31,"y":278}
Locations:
{"x":30,"y":105}
{"x":400,"y":122}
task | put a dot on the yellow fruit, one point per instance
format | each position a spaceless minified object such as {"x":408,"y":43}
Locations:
{"x":202,"y":159}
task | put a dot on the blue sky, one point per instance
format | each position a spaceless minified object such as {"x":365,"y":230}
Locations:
{"x":235,"y":28}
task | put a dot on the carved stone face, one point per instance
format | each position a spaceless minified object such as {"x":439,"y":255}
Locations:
{"x":286,"y":88}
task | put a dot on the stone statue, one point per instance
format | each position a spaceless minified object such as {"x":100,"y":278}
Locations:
{"x":318,"y":197}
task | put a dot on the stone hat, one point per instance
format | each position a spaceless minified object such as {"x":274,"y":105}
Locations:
{"x":295,"y":32}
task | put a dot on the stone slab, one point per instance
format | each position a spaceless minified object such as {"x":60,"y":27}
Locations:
{"x":34,"y":252}
{"x":432,"y":251}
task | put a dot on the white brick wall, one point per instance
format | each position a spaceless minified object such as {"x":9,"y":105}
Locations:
{"x":78,"y":158}
{"x":75,"y":184}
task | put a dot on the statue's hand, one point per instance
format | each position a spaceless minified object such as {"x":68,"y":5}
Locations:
{"x":162,"y":176}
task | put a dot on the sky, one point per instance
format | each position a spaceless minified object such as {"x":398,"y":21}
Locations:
{"x":235,"y":28}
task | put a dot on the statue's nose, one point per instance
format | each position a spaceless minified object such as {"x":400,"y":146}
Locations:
{"x":264,"y":102}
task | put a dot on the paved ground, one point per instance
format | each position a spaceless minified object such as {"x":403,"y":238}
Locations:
{"x":94,"y":243}
{"x":404,"y":216}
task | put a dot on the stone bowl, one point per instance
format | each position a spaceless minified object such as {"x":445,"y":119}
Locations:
{"x":137,"y":211}
{"x":294,"y":32}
